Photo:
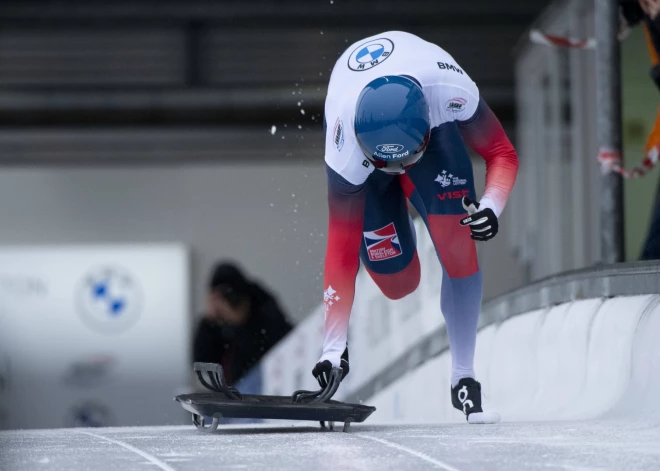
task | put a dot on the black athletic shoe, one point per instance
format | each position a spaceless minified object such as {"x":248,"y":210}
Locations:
{"x":466,"y":397}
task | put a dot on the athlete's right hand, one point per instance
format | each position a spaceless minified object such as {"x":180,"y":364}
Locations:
{"x":323,"y":368}
{"x":483,"y":224}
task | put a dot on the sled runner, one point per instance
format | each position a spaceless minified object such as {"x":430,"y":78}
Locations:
{"x":227,"y":401}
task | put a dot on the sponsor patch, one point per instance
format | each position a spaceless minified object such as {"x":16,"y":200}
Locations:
{"x":446,"y":179}
{"x":453,"y":195}
{"x":370,"y":54}
{"x":443,"y":179}
{"x":452,"y":67}
{"x":338,"y":134}
{"x":382,"y":244}
{"x":389,"y":148}
{"x":456,"y":104}
{"x":383,"y":156}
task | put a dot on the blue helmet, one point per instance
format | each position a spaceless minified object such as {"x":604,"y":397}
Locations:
{"x":392,"y":122}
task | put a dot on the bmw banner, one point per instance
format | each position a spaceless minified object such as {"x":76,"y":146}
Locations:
{"x":93,"y":335}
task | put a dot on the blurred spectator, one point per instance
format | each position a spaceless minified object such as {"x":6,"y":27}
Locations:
{"x":241,"y":323}
{"x":647,"y":13}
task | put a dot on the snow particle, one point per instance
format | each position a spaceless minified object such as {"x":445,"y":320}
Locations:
{"x":302,"y":111}
{"x":273,"y":130}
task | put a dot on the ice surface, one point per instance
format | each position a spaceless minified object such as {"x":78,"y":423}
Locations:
{"x":548,"y":446}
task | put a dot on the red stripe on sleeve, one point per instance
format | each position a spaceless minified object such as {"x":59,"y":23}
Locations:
{"x":485,"y":135}
{"x":342,"y":260}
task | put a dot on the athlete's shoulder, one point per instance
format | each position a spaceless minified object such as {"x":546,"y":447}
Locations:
{"x":381,"y":54}
{"x":342,"y":151}
{"x":452,"y":94}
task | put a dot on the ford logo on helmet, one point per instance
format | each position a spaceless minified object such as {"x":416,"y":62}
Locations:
{"x":389,"y":148}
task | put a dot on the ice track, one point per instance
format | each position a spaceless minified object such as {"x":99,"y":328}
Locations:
{"x":509,"y":446}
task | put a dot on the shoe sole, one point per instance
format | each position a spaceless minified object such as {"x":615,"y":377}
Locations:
{"x":484,"y":418}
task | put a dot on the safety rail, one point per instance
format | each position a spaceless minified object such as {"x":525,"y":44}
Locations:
{"x":624,"y":279}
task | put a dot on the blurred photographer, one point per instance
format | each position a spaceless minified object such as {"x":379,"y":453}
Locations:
{"x":241,"y":323}
{"x":647,"y":13}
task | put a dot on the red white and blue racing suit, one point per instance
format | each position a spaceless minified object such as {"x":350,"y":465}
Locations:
{"x":368,"y":215}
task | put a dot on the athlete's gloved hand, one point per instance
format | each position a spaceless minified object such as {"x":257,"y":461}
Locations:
{"x":483,"y":224}
{"x":323,"y":368}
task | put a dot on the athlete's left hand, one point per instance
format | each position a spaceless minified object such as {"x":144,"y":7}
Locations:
{"x":483,"y":224}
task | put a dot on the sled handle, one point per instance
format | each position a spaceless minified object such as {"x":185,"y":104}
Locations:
{"x":322,"y":395}
{"x":216,"y":379}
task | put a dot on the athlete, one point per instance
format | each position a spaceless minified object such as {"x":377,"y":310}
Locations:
{"x":398,"y":114}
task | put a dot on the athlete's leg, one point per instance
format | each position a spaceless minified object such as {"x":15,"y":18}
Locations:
{"x":436,"y":186}
{"x":388,"y":249}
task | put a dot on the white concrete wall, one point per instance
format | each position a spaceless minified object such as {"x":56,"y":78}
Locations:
{"x":582,"y":360}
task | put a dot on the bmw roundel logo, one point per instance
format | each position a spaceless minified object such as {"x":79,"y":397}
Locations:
{"x":109,"y":299}
{"x":370,"y":54}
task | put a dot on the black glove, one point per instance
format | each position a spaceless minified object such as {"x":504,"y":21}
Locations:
{"x":323,"y":368}
{"x":483,"y":224}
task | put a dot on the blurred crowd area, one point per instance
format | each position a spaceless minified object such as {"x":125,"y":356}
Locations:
{"x":240,"y":323}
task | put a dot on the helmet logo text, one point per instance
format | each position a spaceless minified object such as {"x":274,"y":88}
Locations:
{"x":389,"y":148}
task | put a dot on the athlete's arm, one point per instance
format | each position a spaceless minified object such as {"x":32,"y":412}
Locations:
{"x":485,"y":135}
{"x":342,"y":260}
